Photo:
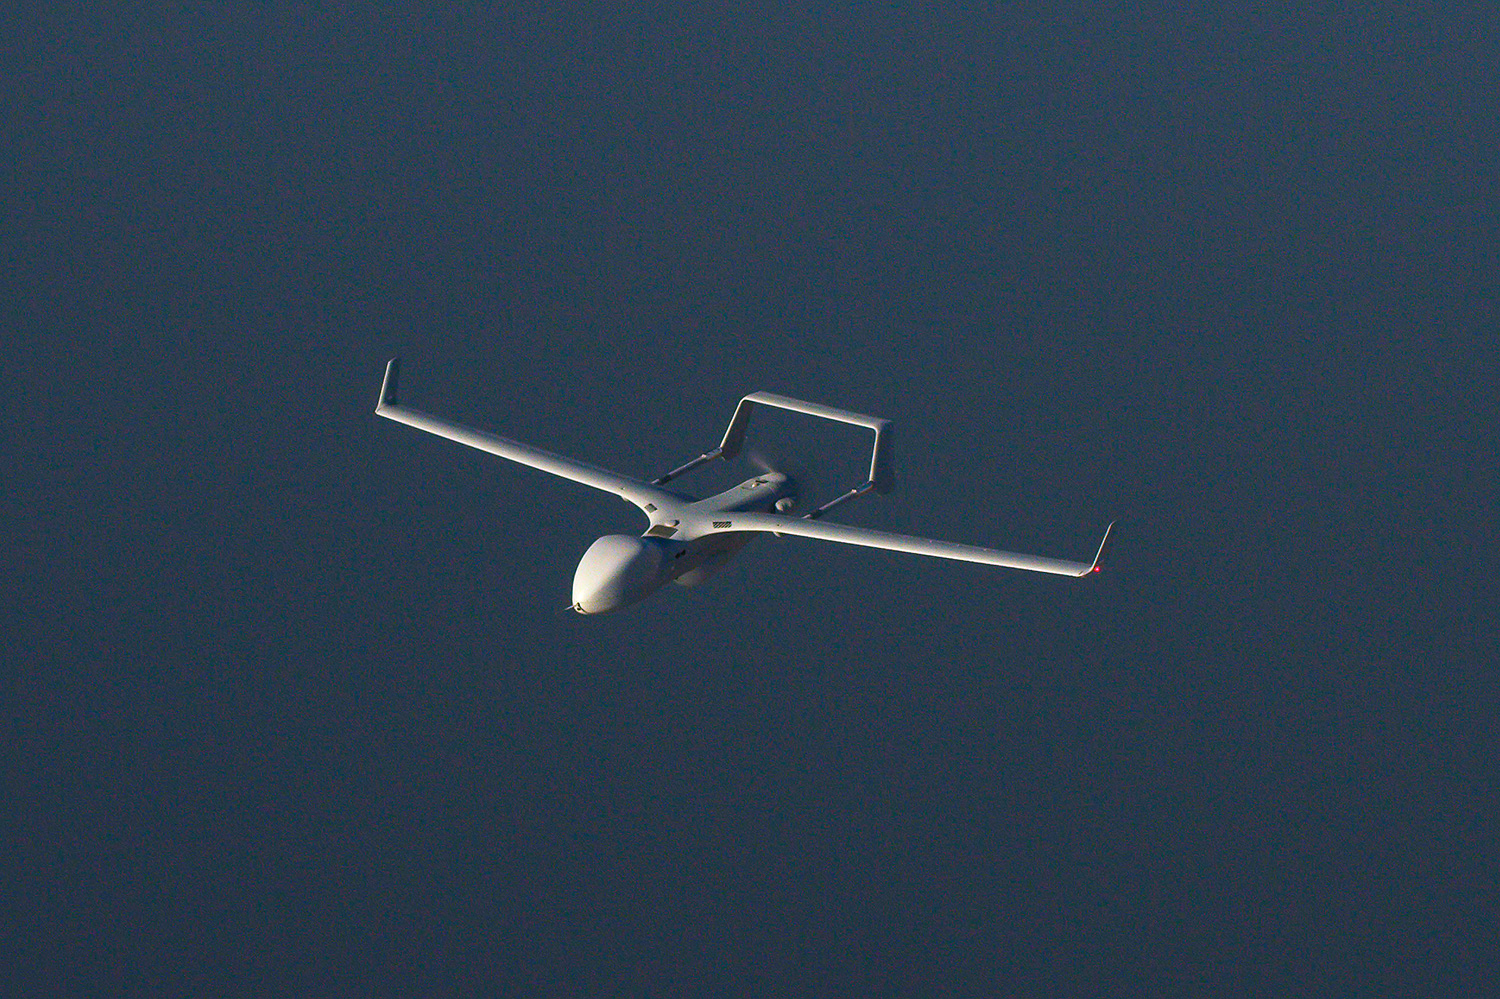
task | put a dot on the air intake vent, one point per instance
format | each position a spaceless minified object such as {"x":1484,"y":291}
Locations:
{"x":719,"y":525}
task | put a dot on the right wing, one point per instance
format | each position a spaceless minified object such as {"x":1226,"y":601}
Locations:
{"x":632,"y":490}
{"x":822,"y":530}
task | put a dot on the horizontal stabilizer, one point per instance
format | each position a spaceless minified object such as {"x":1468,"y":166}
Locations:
{"x":882,"y":467}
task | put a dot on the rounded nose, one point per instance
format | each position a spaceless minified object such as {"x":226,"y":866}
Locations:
{"x":618,"y":570}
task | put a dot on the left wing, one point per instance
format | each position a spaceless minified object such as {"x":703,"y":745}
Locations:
{"x":822,"y":530}
{"x":632,"y":490}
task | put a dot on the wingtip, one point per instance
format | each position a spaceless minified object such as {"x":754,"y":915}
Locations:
{"x":1099,"y":556}
{"x":388,"y":386}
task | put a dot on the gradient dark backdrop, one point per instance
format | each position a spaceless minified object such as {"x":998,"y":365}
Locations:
{"x":294,"y":705}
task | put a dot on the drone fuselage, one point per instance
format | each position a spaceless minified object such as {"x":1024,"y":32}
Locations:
{"x":621,"y":569}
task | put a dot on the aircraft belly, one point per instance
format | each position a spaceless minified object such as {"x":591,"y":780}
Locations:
{"x":708,"y":556}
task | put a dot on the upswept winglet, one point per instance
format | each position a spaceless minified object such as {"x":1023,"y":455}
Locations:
{"x":1099,"y":557}
{"x":388,"y":385}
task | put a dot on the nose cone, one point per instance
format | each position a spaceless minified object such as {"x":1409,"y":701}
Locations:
{"x":618,"y":570}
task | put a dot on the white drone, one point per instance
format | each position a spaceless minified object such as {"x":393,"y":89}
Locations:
{"x":689,"y":539}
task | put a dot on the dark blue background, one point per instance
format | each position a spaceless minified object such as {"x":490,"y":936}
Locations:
{"x":296,"y":706}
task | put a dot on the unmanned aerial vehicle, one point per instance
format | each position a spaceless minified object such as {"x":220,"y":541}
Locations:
{"x":689,"y":539}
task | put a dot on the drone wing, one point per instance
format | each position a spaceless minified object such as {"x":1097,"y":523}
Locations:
{"x":825,"y":531}
{"x":632,"y":490}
